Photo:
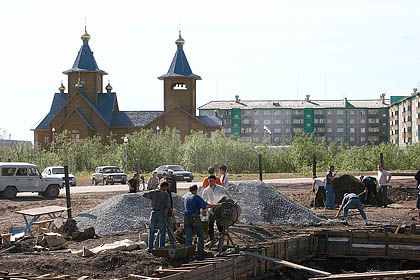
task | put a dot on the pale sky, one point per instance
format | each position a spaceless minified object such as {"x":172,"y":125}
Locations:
{"x":256,"y":49}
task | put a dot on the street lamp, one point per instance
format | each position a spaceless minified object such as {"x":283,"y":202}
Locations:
{"x":157,"y":132}
{"x":126,"y":153}
{"x":53,"y":138}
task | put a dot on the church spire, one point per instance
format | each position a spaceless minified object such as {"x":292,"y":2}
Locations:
{"x":180,"y":66}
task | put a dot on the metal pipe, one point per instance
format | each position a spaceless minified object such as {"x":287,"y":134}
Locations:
{"x":285,"y":263}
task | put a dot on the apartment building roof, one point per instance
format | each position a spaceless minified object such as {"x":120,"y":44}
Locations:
{"x":295,"y":104}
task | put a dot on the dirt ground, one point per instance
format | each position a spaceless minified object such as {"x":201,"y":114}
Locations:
{"x":118,"y":264}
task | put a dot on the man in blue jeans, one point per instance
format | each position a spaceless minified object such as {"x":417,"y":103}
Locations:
{"x":158,"y":217}
{"x":351,"y":201}
{"x":193,"y":203}
{"x":329,"y":190}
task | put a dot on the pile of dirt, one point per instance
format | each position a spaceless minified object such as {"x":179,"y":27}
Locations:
{"x":346,"y":184}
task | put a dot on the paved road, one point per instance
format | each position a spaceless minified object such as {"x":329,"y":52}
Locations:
{"x":182,"y":185}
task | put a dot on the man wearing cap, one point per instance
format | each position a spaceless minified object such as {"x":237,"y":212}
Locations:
{"x":351,"y":201}
{"x":193,"y":203}
{"x":158,"y":216}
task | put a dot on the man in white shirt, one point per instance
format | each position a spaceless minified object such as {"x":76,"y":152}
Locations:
{"x":224,"y":177}
{"x":212,"y":195}
{"x":318,"y":187}
{"x":383,"y":179}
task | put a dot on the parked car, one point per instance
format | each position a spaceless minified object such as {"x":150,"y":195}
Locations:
{"x":179,"y":172}
{"x":25,"y":177}
{"x":108,"y":175}
{"x":58,"y":172}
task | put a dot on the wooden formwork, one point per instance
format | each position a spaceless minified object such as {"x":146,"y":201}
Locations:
{"x":368,"y":244}
{"x":237,"y":266}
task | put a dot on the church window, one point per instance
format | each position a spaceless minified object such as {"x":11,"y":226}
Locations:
{"x":75,"y":134}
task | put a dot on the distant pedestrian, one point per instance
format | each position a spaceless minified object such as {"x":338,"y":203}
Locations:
{"x":417,"y":177}
{"x":153,"y":182}
{"x":193,"y":203}
{"x":211,"y":170}
{"x":383,"y":178}
{"x":318,"y":187}
{"x":133,"y":183}
{"x":158,"y":216}
{"x":351,"y":201}
{"x":329,"y":188}
{"x":224,"y":177}
{"x":370,"y":183}
{"x":172,"y":181}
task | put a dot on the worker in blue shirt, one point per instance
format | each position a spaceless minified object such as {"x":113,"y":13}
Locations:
{"x":193,"y":203}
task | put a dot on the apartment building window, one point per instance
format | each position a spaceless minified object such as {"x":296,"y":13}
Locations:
{"x":248,"y":130}
{"x":227,"y":121}
{"x":339,"y":138}
{"x":373,"y":138}
{"x":362,"y":120}
{"x":351,"y":112}
{"x":318,"y":112}
{"x":256,"y":122}
{"x":319,"y":129}
{"x":297,"y":121}
{"x":352,"y":120}
{"x":362,"y":139}
{"x":277,"y":121}
{"x":362,"y":113}
{"x":352,"y":130}
{"x":256,"y":112}
{"x":267,"y":121}
{"x":340,"y":112}
{"x":256,"y":130}
{"x":328,"y":112}
{"x":277,"y":130}
{"x":267,"y":113}
{"x":287,"y":112}
{"x":362,"y":130}
{"x":245,"y":121}
{"x":297,"y":129}
{"x":352,"y":139}
{"x":329,"y":129}
{"x":246,"y":112}
{"x":226,"y":130}
{"x":373,"y":129}
{"x":373,"y":111}
{"x":329,"y":120}
{"x":340,"y":129}
{"x":287,"y":130}
{"x":373,"y":120}
{"x":341,"y":121}
{"x":288,"y":121}
{"x":277,"y":113}
{"x":298,"y":112}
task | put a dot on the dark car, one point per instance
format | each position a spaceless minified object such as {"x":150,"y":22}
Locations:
{"x":179,"y":172}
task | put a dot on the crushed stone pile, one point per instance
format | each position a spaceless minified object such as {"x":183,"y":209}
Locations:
{"x":262,"y":203}
{"x":259,"y":202}
{"x":122,"y":214}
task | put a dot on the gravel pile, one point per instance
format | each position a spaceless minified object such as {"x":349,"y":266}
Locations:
{"x":121,"y":214}
{"x":259,"y":202}
{"x":262,"y":203}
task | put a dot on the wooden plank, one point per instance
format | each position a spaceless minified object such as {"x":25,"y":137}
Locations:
{"x":367,"y":275}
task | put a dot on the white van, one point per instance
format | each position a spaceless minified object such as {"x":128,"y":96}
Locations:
{"x":25,"y":177}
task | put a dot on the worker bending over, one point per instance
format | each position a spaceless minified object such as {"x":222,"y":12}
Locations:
{"x":351,"y":201}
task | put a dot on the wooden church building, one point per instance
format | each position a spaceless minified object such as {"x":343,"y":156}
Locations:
{"x":85,"y":110}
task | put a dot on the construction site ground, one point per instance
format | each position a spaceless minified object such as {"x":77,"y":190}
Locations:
{"x":119,"y":264}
